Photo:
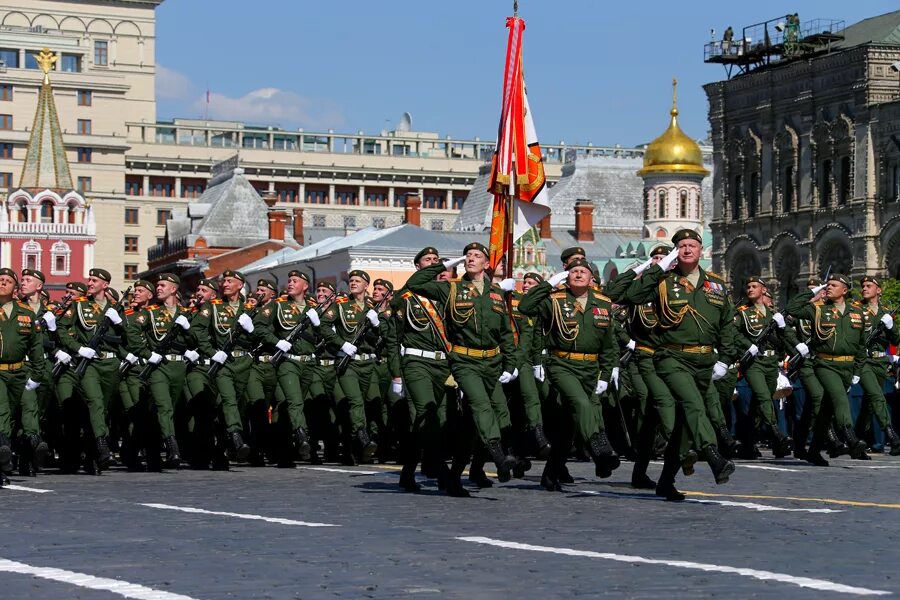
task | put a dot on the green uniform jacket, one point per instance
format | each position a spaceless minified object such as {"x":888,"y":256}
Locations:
{"x":345,"y":317}
{"x":702,"y":316}
{"x":528,"y":348}
{"x":20,"y":337}
{"x":570,"y":328}
{"x":473,"y":319}
{"x":832,"y":332}
{"x":213,"y":323}
{"x":750,"y":322}
{"x":151,"y":325}
{"x":882,"y":340}
{"x":413,"y":327}
{"x":77,"y":325}
{"x":277,"y":318}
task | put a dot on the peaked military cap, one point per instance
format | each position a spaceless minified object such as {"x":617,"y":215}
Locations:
{"x":235,"y":274}
{"x":10,"y":273}
{"x":360,"y":273}
{"x":813,"y":282}
{"x":660,"y":250}
{"x":77,"y":286}
{"x":862,"y":280}
{"x":300,"y":274}
{"x":210,"y":283}
{"x":385,"y":283}
{"x":757,"y":279}
{"x":267,"y":284}
{"x":326,"y":284}
{"x":114,"y":293}
{"x":570,"y":252}
{"x":425,"y":252}
{"x":533,"y":275}
{"x":34,"y":273}
{"x":146,"y":285}
{"x":580,"y":262}
{"x":100,"y":274}
{"x":477,"y":246}
{"x":842,"y":278}
{"x":686,"y":234}
{"x":171,"y":278}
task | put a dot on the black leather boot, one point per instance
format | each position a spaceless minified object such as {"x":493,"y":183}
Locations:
{"x":687,"y":463}
{"x":856,"y":445}
{"x":893,"y":440}
{"x":173,"y":455}
{"x":835,"y":446}
{"x":453,"y":481}
{"x":304,"y":450}
{"x":549,"y":481}
{"x":730,"y":446}
{"x":605,"y":459}
{"x":503,"y":461}
{"x":476,"y":472}
{"x":5,"y":454}
{"x":639,"y":478}
{"x":367,"y":447}
{"x":240,"y":448}
{"x":40,"y":450}
{"x":722,"y":468}
{"x":104,"y":457}
{"x":408,"y":478}
{"x":541,"y":442}
{"x":665,"y":487}
{"x":782,"y":444}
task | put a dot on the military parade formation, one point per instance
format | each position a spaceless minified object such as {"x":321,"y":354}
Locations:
{"x":451,"y":371}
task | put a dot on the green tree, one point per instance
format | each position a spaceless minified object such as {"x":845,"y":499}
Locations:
{"x":890,"y":289}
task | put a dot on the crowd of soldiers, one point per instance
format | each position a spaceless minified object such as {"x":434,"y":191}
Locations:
{"x":447,"y":372}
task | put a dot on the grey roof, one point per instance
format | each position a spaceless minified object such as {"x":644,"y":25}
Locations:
{"x":611,"y":183}
{"x":476,"y":210}
{"x":883,"y":29}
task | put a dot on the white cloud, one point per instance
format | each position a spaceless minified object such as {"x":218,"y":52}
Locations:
{"x":172,"y":85}
{"x":271,"y":106}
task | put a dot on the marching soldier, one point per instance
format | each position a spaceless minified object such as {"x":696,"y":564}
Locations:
{"x":37,"y":410}
{"x":838,"y":336}
{"x":321,"y":397}
{"x":261,"y":383}
{"x":694,"y":343}
{"x":570,"y":254}
{"x":877,"y":363}
{"x":582,"y":353}
{"x":482,"y":351}
{"x":200,"y":391}
{"x":136,"y":432}
{"x":532,"y":375}
{"x":388,"y":417}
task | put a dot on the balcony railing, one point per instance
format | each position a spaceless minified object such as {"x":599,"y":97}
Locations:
{"x":45,"y":228}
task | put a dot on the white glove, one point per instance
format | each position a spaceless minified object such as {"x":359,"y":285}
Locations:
{"x":507,"y":285}
{"x":668,"y":261}
{"x":219,"y":357}
{"x":720,"y":370}
{"x":313,"y":317}
{"x":614,"y":377}
{"x":818,"y":289}
{"x":894,"y":358}
{"x":131,"y":358}
{"x":31,"y":385}
{"x":506,"y":377}
{"x":63,"y":357}
{"x":538,"y":371}
{"x":283,"y":345}
{"x":631,"y":345}
{"x":803,"y":349}
{"x":192,"y":355}
{"x":453,"y":262}
{"x":50,"y":319}
{"x":558,"y":278}
{"x":779,"y":319}
{"x":348,"y":349}
{"x":155,"y":358}
{"x":888,"y":321}
{"x":753,"y":350}
{"x":397,"y":387}
{"x":643,"y":266}
{"x":855,"y":380}
{"x":372,"y":316}
{"x":113,"y":315}
{"x":602,"y":386}
{"x":87,"y":352}
{"x":246,"y":322}
{"x":182,"y":322}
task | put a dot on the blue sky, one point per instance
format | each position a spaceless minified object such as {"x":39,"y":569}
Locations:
{"x":597,"y":71}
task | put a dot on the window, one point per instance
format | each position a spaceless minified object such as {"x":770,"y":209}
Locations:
{"x":9,"y":57}
{"x":683,"y":204}
{"x":133,"y":186}
{"x":160,"y":240}
{"x":346,"y":198}
{"x":895,"y":182}
{"x":31,"y":255}
{"x":46,"y":211}
{"x":661,"y":205}
{"x":31,"y":61}
{"x":316,"y":197}
{"x":84,"y":155}
{"x":288,"y":195}
{"x":737,"y":197}
{"x":131,"y":243}
{"x":163,"y":215}
{"x":376,"y":199}
{"x":5,"y":91}
{"x":60,"y":258}
{"x":84,"y":184}
{"x":787,"y":200}
{"x":458,"y":202}
{"x":85,"y":97}
{"x":71,"y":63}
{"x":378,"y":222}
{"x":349,"y":222}
{"x":5,"y":121}
{"x":318,"y":221}
{"x":130,"y":273}
{"x":84,"y":126}
{"x":825,"y":191}
{"x":6,"y":150}
{"x":131,"y":216}
{"x":164,"y":188}
{"x":752,"y":201}
{"x":437,"y":225}
{"x":192,"y":190}
{"x":101,"y":53}
{"x":844,"y":192}
{"x":6,"y":180}
{"x":434,"y":200}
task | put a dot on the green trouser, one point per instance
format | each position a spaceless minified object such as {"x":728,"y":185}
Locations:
{"x":321,"y":405}
{"x":97,"y":387}
{"x":477,"y":378}
{"x":631,"y":379}
{"x":166,"y":385}
{"x":658,"y":392}
{"x":377,"y":402}
{"x":354,"y":385}
{"x":295,"y":379}
{"x":12,"y":384}
{"x":424,"y":381}
{"x":530,"y":395}
{"x":231,"y":381}
{"x":712,"y":399}
{"x":258,"y":397}
{"x":646,"y":417}
{"x":688,"y":377}
{"x":762,"y":377}
{"x":871,"y":378}
{"x":835,"y":377}
{"x":812,"y":405}
{"x":200,"y":397}
{"x":575,"y":382}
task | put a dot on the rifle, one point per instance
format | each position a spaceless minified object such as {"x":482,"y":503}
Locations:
{"x":747,"y":359}
{"x":231,"y":341}
{"x":298,"y":330}
{"x":164,"y":344}
{"x":95,"y":341}
{"x":877,"y":330}
{"x":618,"y":399}
{"x":361,"y":330}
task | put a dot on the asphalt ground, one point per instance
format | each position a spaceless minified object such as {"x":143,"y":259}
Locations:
{"x":779,"y":529}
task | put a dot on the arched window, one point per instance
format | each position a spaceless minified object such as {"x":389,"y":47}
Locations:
{"x":70,"y":214}
{"x":23,"y":212}
{"x":46,"y":211}
{"x":787,"y":199}
{"x":60,"y":258}
{"x":31,"y":255}
{"x":825,"y":190}
{"x":661,"y":204}
{"x":737,"y":197}
{"x":753,"y":199}
{"x":683,"y":204}
{"x":661,"y":233}
{"x":844,"y":191}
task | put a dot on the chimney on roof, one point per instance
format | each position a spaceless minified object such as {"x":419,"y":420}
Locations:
{"x":298,"y":225}
{"x":412,"y":214}
{"x":584,"y":221}
{"x":277,"y":218}
{"x":544,"y":227}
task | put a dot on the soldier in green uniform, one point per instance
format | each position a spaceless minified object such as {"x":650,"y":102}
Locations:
{"x":577,"y":323}
{"x":200,"y":392}
{"x":217,"y":322}
{"x":570,"y":254}
{"x":347,"y":316}
{"x":762,"y":374}
{"x":320,"y":398}
{"x":21,"y":339}
{"x":838,"y":335}
{"x":262,"y":392}
{"x":137,"y":430}
{"x":482,"y":350}
{"x":388,"y":418}
{"x":532,"y":375}
{"x":101,"y":378}
{"x":694,"y":343}
{"x":877,"y":364}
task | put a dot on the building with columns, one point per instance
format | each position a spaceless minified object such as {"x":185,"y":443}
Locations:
{"x":806,"y":148}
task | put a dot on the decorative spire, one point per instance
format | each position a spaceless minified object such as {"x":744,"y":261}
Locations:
{"x":674,"y":111}
{"x":46,"y":165}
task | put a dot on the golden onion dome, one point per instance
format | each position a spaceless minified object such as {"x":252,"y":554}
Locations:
{"x":673,"y":151}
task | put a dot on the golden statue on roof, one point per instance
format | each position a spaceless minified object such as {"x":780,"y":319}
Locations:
{"x":46,"y":61}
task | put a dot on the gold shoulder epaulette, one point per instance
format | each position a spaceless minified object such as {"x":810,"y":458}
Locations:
{"x":742,"y":307}
{"x":456,"y":280}
{"x":81,"y":299}
{"x":249,"y":305}
{"x":129,"y":312}
{"x":599,"y":296}
{"x":152,"y":307}
{"x":23,"y":305}
{"x":559,"y":295}
{"x":215,"y":301}
{"x":819,"y":303}
{"x":280,"y":299}
{"x":342,"y":299}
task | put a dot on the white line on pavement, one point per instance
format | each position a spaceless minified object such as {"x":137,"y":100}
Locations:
{"x":351,"y":471}
{"x":750,"y":505}
{"x":22,"y":488}
{"x":805,"y":582}
{"x":122,"y":588}
{"x":744,"y":465}
{"x":202,"y":511}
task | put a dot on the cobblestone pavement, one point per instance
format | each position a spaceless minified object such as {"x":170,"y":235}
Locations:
{"x":780,"y":528}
